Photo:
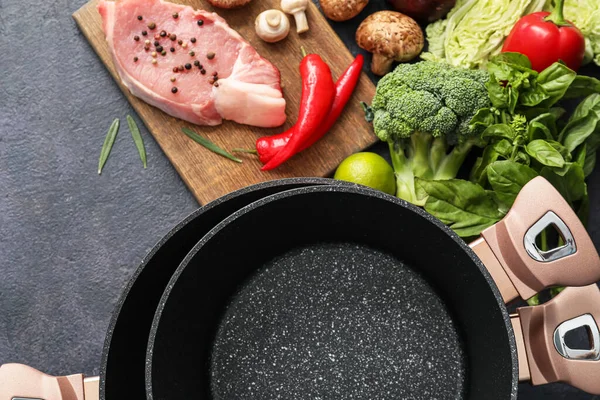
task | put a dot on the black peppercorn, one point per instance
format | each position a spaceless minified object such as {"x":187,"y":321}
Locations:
{"x":203,"y":71}
{"x":179,"y":41}
{"x":192,"y":53}
{"x":188,"y":66}
{"x":200,"y":22}
{"x":175,"y":15}
{"x":172,"y":36}
{"x":197,"y":63}
{"x":174,"y":89}
{"x":136,"y":38}
{"x":175,"y":69}
{"x":193,"y":40}
{"x":140,"y":17}
{"x":159,"y":48}
{"x":144,"y":33}
{"x":210,"y":55}
{"x":135,"y":59}
{"x":156,"y":43}
{"x":172,"y":49}
{"x":163,"y":33}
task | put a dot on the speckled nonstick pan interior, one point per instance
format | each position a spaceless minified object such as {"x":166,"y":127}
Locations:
{"x":331,"y":293}
{"x":123,"y":358}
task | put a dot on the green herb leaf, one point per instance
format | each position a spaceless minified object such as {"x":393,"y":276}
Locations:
{"x":564,"y":152}
{"x":537,"y":130}
{"x":491,"y":153}
{"x":484,"y":117}
{"x":108,"y":144}
{"x":571,"y":185}
{"x":582,"y":124}
{"x":507,"y":178}
{"x":209,"y":145}
{"x":500,"y":131}
{"x":545,"y":153}
{"x":534,"y":96}
{"x":462,"y":205}
{"x":515,"y":60}
{"x":591,"y":146}
{"x":583,"y":86}
{"x":556,"y":80}
{"x":137,"y":138}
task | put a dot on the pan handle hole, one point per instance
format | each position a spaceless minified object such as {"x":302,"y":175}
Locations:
{"x":549,"y":238}
{"x":580,"y":338}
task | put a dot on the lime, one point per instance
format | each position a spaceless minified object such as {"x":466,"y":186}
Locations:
{"x":368,"y":169}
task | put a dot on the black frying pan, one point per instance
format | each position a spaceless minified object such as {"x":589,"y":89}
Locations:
{"x":123,"y":356}
{"x":340,"y":292}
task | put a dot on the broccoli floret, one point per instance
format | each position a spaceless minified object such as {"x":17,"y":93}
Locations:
{"x":423,"y":111}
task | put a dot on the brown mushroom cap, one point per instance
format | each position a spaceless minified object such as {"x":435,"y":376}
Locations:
{"x":390,"y":35}
{"x":229,"y":3}
{"x":342,"y":10}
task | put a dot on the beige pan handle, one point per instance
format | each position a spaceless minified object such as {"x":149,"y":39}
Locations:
{"x":519,"y":267}
{"x":20,"y":382}
{"x":544,"y":355}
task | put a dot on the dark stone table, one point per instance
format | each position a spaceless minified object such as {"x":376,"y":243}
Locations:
{"x":70,"y":239}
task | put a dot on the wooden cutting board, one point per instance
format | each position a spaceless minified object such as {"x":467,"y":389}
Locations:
{"x":210,"y":176}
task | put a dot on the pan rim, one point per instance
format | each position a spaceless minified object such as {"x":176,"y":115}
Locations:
{"x":352,"y":189}
{"x":198,"y":213}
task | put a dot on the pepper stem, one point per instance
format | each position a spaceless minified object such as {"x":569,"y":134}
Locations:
{"x":557,"y":15}
{"x":249,"y":151}
{"x":303,"y":51}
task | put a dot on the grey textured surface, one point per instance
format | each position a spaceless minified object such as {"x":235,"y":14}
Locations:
{"x":70,"y":239}
{"x":293,"y":332}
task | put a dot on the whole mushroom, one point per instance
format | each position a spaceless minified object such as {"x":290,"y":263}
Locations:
{"x":272,"y":26}
{"x":229,"y":3}
{"x":342,"y":10}
{"x":297,"y":8}
{"x":390,"y":36}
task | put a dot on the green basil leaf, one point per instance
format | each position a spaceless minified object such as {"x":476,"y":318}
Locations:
{"x":547,"y":119}
{"x":545,"y":153}
{"x":537,"y":130}
{"x":571,"y":185}
{"x":500,"y":131}
{"x":516,"y":60}
{"x":462,"y":205}
{"x":564,"y":152}
{"x":583,"y":123}
{"x":533,"y":96}
{"x":581,"y":156}
{"x":591,"y":147}
{"x":502,"y":148}
{"x":556,"y":80}
{"x":483,"y":117}
{"x":557,"y":112}
{"x":498,"y":93}
{"x":583,"y":86}
{"x":507,"y":178}
{"x":522,"y":158}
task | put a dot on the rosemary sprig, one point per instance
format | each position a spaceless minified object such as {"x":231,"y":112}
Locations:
{"x":209,"y":145}
{"x":108,"y":144}
{"x":137,"y":138}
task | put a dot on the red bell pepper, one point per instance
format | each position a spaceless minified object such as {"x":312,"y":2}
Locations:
{"x":318,"y":92}
{"x":546,"y":38}
{"x":267,"y":147}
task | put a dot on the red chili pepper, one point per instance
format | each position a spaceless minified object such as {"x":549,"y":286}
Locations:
{"x":318,"y":92}
{"x":268,"y":146}
{"x":546,"y":38}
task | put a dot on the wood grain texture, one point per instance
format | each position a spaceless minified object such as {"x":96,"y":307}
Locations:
{"x":210,"y":176}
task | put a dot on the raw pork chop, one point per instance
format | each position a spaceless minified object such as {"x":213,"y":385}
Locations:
{"x":195,"y":45}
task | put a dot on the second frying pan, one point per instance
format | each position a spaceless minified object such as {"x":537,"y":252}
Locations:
{"x":344,"y":292}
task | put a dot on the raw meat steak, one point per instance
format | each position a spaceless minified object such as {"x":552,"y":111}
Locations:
{"x":153,"y":41}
